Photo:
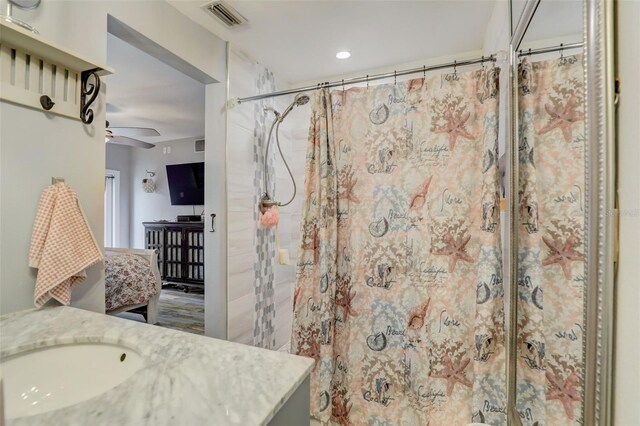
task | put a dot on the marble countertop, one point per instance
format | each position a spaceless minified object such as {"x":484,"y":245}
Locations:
{"x":187,"y":379}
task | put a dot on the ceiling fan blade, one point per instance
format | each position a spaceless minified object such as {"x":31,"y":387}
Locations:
{"x":123,"y":140}
{"x":135,"y":132}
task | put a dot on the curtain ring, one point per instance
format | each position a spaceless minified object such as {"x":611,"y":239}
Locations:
{"x":343,"y":84}
{"x":561,"y":50}
{"x":395,"y":78}
{"x":482,"y":62}
{"x":455,"y":67}
{"x":424,"y":72}
{"x":367,"y":81}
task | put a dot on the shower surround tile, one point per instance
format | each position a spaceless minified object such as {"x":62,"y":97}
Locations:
{"x":259,"y":289}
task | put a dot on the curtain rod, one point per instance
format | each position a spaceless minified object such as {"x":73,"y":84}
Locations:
{"x":529,"y":52}
{"x":368,"y":78}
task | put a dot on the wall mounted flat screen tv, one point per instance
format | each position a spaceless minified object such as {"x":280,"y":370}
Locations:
{"x":186,"y":184}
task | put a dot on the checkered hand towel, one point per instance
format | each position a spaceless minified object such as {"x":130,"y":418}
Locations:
{"x":62,"y":245}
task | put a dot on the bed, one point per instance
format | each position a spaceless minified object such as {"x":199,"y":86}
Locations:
{"x":132,"y":282}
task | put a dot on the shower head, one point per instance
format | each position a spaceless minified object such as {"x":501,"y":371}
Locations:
{"x":299,"y":100}
{"x":267,"y":202}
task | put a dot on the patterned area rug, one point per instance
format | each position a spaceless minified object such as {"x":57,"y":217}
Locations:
{"x":177,"y":310}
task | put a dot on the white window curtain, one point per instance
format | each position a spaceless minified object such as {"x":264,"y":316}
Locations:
{"x":111,"y":207}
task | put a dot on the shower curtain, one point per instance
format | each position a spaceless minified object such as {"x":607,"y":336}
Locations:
{"x":551,"y":242}
{"x":399,"y":296}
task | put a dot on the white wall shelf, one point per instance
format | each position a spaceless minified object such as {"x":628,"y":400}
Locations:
{"x":33,"y":68}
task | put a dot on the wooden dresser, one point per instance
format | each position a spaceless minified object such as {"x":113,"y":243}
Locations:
{"x":180,"y":248}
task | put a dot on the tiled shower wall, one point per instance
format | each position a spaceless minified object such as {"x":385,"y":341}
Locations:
{"x":242,"y":240}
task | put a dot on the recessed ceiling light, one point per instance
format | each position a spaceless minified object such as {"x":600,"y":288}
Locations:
{"x":343,"y":55}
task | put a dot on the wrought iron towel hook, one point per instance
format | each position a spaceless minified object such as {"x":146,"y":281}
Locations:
{"x":88,"y":93}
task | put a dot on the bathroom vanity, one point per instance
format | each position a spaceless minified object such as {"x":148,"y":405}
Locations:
{"x":102,"y":370}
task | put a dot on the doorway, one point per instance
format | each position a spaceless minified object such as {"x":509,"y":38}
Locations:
{"x":155,"y":140}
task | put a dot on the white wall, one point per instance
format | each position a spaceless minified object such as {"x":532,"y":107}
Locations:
{"x":241,"y":233}
{"x":119,"y":158}
{"x":147,"y":207}
{"x":627,"y":344}
{"x":215,"y":199}
{"x":34,"y":147}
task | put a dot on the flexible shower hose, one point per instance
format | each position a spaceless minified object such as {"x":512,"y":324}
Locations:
{"x":277,"y":123}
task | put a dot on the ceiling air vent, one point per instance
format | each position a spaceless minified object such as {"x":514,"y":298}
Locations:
{"x":227,"y":14}
{"x":199,"y":145}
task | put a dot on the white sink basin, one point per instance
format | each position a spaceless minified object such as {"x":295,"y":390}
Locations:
{"x":54,"y":377}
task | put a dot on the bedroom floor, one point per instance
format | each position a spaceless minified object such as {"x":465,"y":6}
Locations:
{"x":177,"y":310}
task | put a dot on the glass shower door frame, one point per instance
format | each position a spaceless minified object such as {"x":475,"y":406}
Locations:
{"x":600,"y":198}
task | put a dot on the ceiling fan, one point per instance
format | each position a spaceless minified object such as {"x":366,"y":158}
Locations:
{"x":127,"y":136}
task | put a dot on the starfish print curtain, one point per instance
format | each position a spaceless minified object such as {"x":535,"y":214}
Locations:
{"x":551,"y":242}
{"x":399,"y":295}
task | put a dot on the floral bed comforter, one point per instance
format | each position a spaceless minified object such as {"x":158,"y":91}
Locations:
{"x":129,"y":280}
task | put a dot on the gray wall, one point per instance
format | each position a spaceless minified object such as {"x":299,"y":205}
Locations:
{"x":33,"y":148}
{"x":137,"y":206}
{"x":119,"y":158}
{"x":147,"y":207}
